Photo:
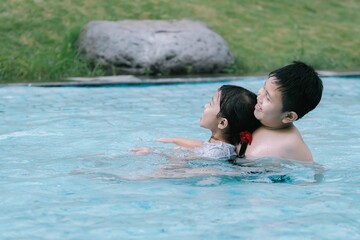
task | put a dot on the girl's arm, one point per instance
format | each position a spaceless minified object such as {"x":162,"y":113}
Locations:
{"x":183,"y":142}
{"x":206,"y":150}
{"x":146,"y":150}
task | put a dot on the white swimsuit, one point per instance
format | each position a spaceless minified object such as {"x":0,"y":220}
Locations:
{"x":217,"y":150}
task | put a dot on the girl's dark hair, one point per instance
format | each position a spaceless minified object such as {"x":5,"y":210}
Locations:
{"x":237,"y":105}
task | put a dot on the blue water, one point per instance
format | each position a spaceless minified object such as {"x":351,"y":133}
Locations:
{"x":66,"y":172}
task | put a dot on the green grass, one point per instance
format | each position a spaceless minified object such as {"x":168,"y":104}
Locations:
{"x":38,"y":37}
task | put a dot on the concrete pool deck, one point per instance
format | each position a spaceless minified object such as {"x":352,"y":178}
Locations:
{"x":138,"y":80}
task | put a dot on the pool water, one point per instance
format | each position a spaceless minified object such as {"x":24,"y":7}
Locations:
{"x":66,"y":171}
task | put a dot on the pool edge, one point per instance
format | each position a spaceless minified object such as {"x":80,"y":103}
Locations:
{"x":139,"y":80}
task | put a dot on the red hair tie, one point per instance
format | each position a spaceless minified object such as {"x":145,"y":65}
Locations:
{"x":245,"y":137}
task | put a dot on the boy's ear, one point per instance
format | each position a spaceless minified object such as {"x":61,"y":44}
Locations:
{"x":290,"y":117}
{"x":223,"y":123}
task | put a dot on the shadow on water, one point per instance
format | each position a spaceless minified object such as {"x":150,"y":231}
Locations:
{"x":214,"y":172}
{"x":276,"y":170}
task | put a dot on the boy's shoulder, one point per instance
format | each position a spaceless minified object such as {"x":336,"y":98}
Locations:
{"x":284,"y":143}
{"x":283,"y":135}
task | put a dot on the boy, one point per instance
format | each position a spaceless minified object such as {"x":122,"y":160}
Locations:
{"x":287,"y":95}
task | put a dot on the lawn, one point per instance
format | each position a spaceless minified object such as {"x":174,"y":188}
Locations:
{"x":38,"y":37}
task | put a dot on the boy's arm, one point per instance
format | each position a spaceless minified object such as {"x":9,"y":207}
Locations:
{"x":183,"y":142}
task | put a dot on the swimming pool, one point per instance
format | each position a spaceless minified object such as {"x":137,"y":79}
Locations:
{"x":66,"y":172}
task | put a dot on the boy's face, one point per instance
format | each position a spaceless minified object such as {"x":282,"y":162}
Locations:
{"x":268,"y":109}
{"x":209,"y":119}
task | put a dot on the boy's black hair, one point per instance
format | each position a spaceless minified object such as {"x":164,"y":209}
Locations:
{"x":237,"y":106}
{"x":300,"y":87}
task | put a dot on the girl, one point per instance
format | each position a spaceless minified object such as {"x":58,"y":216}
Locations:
{"x":229,"y":113}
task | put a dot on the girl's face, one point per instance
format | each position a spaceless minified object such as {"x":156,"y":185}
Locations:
{"x":268,"y":109}
{"x":209,"y":119}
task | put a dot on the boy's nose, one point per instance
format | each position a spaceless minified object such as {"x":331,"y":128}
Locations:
{"x":258,"y":98}
{"x":260,"y":91}
{"x":259,"y":95}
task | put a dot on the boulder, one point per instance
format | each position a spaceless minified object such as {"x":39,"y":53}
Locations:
{"x":154,"y":46}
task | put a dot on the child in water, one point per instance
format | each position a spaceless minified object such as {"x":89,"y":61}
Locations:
{"x":229,"y":113}
{"x":287,"y":95}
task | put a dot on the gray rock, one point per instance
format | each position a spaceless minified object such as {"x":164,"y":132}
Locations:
{"x":154,"y":46}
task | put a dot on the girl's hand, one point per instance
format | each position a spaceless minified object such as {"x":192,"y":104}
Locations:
{"x":141,"y":150}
